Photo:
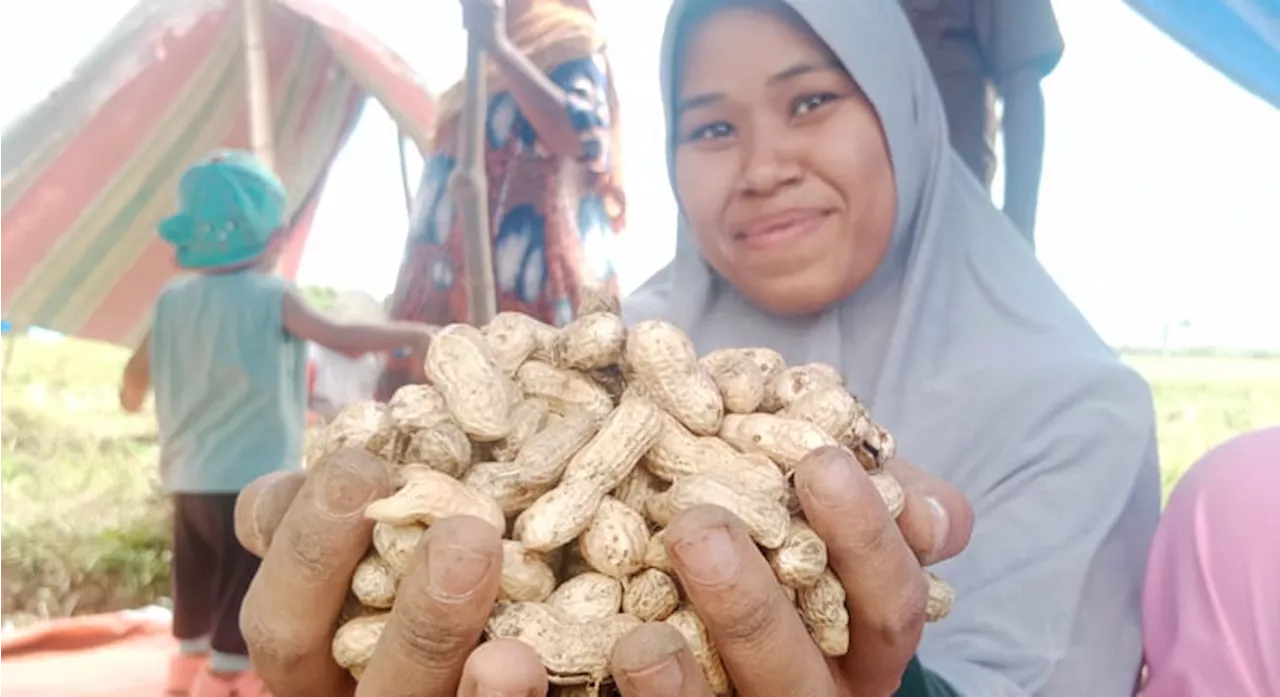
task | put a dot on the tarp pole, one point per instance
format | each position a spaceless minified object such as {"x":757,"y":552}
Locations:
{"x":470,"y":190}
{"x":261,"y":119}
{"x":404,"y":173}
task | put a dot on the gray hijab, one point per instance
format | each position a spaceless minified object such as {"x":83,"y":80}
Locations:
{"x":988,"y":376}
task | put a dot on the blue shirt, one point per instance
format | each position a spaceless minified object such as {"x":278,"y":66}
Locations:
{"x":229,"y":380}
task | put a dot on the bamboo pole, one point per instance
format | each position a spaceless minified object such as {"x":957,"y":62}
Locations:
{"x":261,"y":120}
{"x":470,"y":190}
{"x":404,"y":174}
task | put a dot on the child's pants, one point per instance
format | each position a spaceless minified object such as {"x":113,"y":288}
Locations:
{"x":211,"y":574}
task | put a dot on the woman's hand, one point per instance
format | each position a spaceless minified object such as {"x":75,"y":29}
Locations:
{"x":311,"y":532}
{"x":759,"y":635}
{"x":485,"y":20}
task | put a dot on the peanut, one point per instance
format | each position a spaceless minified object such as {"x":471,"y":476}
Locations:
{"x":354,"y":642}
{"x":664,"y":364}
{"x":876,"y":448}
{"x":591,"y":342}
{"x":638,"y":487}
{"x":766,"y":519}
{"x":784,"y":440}
{"x":650,"y":595}
{"x":395,"y":544}
{"x":603,"y":463}
{"x":587,"y":597}
{"x":830,"y":408}
{"x":514,"y":339}
{"x":890,"y":492}
{"x":615,"y":541}
{"x":462,"y":365}
{"x":527,"y":418}
{"x":678,"y":452}
{"x":428,"y":496}
{"x":794,"y":382}
{"x":538,"y":466}
{"x":655,"y":554}
{"x":801,"y":558}
{"x":374,"y":582}
{"x":564,"y":390}
{"x":571,"y":651}
{"x":442,"y":446}
{"x":695,"y":634}
{"x":822,"y":607}
{"x":415,"y":407}
{"x":525,"y":576}
{"x":941,"y":597}
{"x":354,"y":425}
{"x":739,"y":380}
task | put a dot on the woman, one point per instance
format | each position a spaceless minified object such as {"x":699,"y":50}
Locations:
{"x":553,"y":166}
{"x":1210,"y":612}
{"x":826,"y":216}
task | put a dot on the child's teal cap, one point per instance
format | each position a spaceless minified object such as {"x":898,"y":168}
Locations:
{"x":230,"y":207}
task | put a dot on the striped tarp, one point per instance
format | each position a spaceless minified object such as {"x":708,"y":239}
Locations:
{"x":89,"y":173}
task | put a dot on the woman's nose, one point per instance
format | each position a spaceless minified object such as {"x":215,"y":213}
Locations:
{"x":768,"y":165}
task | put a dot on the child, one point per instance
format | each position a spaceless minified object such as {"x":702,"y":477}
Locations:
{"x":227,"y":355}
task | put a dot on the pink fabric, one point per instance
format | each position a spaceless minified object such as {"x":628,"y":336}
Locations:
{"x":1211,"y":604}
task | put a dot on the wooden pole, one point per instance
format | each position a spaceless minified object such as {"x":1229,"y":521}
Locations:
{"x":256,"y":64}
{"x":261,"y":120}
{"x":404,"y":174}
{"x":470,"y":189}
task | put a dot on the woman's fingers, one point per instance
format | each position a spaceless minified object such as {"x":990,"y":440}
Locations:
{"x":937,"y":519}
{"x":261,"y":506}
{"x":653,"y":660}
{"x":886,"y":590}
{"x":503,"y":668}
{"x":441,"y":607}
{"x":760,"y":637}
{"x":289,"y":613}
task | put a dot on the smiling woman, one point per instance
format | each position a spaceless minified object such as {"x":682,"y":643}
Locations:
{"x":781,"y":165}
{"x":826,"y":218}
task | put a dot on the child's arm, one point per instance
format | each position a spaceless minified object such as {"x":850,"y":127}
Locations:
{"x":353,"y":339}
{"x":137,"y":377}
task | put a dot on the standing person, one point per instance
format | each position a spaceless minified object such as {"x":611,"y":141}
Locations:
{"x":227,"y":355}
{"x":979,"y":50}
{"x":553,"y":165}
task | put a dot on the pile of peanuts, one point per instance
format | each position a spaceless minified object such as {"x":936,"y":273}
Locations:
{"x":580,"y":444}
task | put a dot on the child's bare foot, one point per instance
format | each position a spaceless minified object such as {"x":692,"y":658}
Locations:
{"x":184,"y":668}
{"x":246,"y":684}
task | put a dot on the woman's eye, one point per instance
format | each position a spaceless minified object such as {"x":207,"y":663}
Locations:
{"x":710,"y":131}
{"x":810,"y":103}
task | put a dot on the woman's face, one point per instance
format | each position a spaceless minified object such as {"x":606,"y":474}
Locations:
{"x":781,"y":165}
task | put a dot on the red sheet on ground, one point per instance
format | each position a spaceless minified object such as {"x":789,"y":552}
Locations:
{"x":101,"y":655}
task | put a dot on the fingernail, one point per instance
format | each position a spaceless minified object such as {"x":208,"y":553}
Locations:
{"x":941,"y":526}
{"x":344,"y":490}
{"x":709,"y":556}
{"x":832,"y":481}
{"x":662,"y":678}
{"x":455,"y":572}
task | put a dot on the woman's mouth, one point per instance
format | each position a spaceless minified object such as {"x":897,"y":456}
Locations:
{"x":778,"y":228}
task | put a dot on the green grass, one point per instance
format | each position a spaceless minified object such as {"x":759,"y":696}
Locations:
{"x":85,"y":529}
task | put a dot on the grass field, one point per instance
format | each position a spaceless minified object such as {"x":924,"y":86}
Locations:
{"x":84,"y":530}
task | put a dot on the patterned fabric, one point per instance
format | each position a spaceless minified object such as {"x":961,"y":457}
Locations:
{"x":547,"y":217}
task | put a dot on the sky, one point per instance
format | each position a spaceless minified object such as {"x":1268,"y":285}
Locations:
{"x":1160,"y":200}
